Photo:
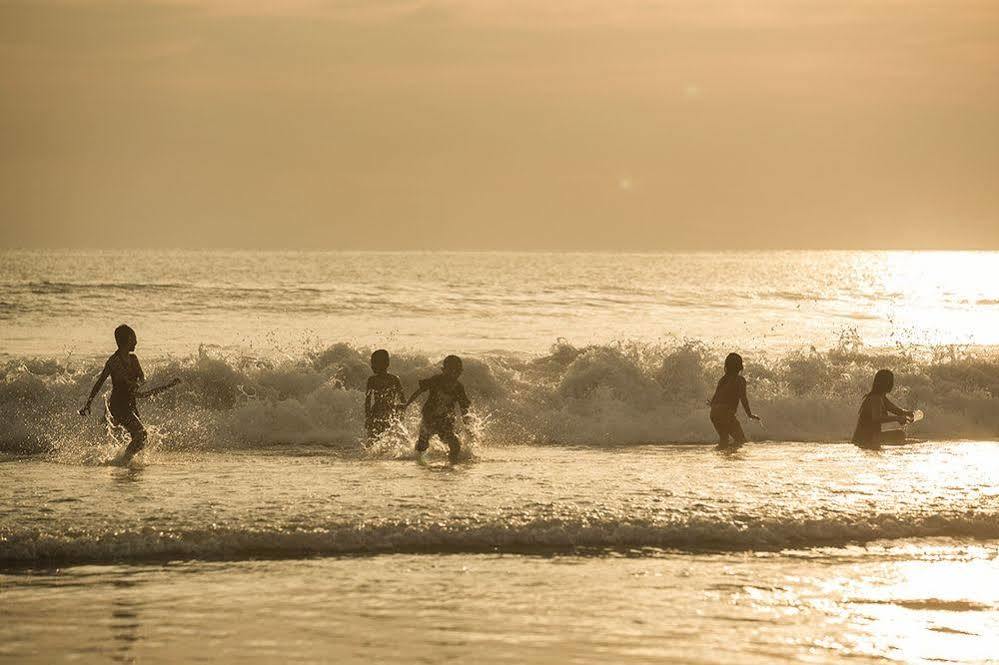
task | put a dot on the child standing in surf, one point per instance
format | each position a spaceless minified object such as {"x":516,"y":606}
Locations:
{"x":126,"y":377}
{"x":731,"y":391}
{"x":445,"y":392}
{"x":876,"y":410}
{"x":383,"y":396}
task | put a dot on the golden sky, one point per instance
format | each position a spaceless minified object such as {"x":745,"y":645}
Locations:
{"x":498,"y":124}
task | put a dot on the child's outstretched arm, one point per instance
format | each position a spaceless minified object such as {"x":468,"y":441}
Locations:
{"x":745,"y":402}
{"x":419,"y":391}
{"x":898,"y":411}
{"x":399,"y":398}
{"x":154,"y":391}
{"x":464,"y":405}
{"x":880,"y":411}
{"x":105,"y":373}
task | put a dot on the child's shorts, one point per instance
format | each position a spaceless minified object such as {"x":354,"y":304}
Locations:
{"x":727,"y":425}
{"x":128,"y":417}
{"x":444,"y":429}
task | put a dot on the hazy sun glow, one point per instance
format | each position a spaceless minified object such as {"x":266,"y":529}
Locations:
{"x":500,"y":125}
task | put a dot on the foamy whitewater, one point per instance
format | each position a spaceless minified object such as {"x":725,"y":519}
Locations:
{"x":591,"y":519}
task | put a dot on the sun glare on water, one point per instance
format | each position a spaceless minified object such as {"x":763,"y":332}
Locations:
{"x":926,"y":611}
{"x":933,"y":297}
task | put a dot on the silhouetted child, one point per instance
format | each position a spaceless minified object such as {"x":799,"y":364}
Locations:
{"x":126,"y":377}
{"x":730,"y":392}
{"x":383,"y":397}
{"x":445,"y":391}
{"x":876,"y":410}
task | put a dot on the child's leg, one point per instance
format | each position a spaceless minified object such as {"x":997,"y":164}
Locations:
{"x":735,"y":428}
{"x":126,"y":416}
{"x":893,"y":436}
{"x":138,"y":434}
{"x":423,"y":441}
{"x":453,"y":445}
{"x":721,"y":426}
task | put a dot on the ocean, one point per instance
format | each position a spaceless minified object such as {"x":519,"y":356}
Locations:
{"x":591,"y":518}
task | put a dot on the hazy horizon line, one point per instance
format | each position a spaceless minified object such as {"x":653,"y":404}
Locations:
{"x":474,"y":250}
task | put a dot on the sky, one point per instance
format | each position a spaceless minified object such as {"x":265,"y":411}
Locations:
{"x":598,"y":125}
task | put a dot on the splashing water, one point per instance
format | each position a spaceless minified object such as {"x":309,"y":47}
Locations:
{"x":614,"y":394}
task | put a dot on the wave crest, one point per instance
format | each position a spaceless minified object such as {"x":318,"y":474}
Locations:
{"x":542,"y":533}
{"x":608,"y":394}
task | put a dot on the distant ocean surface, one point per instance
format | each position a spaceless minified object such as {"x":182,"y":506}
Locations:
{"x":57,"y":303}
{"x":590,"y":518}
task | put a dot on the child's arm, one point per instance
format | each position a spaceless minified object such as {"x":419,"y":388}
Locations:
{"x":891,"y":408}
{"x":105,"y":373}
{"x":419,"y":391}
{"x":367,"y":400}
{"x":399,"y":398}
{"x":154,"y":391}
{"x":745,"y":401}
{"x":882,"y":415}
{"x":464,"y":404}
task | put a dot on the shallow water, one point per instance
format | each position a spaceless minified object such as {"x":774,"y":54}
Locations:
{"x":514,"y":498}
{"x":835,"y":606}
{"x":777,"y":552}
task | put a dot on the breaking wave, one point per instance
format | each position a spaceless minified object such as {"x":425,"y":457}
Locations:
{"x":535,"y":533}
{"x":621,"y":393}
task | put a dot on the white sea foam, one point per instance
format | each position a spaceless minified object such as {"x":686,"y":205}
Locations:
{"x":614,"y":394}
{"x":529,"y":530}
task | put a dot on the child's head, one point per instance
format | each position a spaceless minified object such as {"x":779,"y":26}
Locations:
{"x":124,"y":336}
{"x":380,"y":361}
{"x":733,"y":363}
{"x":884,"y":381}
{"x":452,"y":367}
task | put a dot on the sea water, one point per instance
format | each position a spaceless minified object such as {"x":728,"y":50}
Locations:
{"x":590,"y":519}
